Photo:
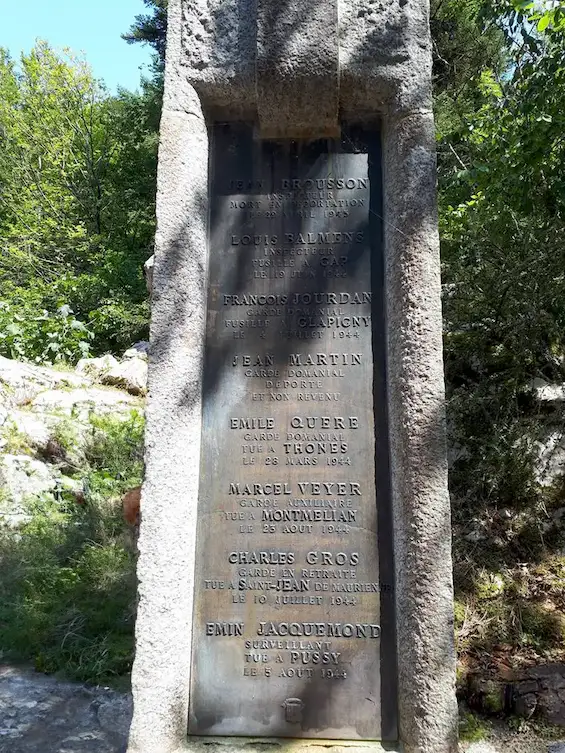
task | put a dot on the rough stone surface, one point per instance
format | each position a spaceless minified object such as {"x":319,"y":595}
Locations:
{"x":220,"y":66}
{"x":137,"y":350}
{"x":56,"y":431}
{"x":167,"y":539}
{"x":31,"y":428}
{"x":21,"y":382}
{"x":421,"y":510}
{"x":96,"y":367}
{"x":80,"y":403}
{"x":526,"y":705}
{"x":22,"y":476}
{"x":131,"y":375}
{"x":40,"y":714}
{"x":537,"y":690}
{"x":44,"y":438}
{"x":299,"y":44}
{"x":384,"y":53}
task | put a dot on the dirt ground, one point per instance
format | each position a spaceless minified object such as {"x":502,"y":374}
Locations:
{"x":42,"y":713}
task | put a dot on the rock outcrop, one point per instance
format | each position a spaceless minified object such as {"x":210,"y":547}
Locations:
{"x":48,"y":416}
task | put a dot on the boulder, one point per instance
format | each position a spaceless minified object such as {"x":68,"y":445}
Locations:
{"x":96,"y":367}
{"x":137,"y":350}
{"x":20,"y":382}
{"x":43,"y":440}
{"x":24,"y":428}
{"x":548,"y":393}
{"x":131,"y":375}
{"x":55,"y":438}
{"x":22,"y":477}
{"x":550,"y":457}
{"x":80,"y":403}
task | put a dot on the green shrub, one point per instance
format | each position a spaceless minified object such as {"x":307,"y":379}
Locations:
{"x":115,"y":454}
{"x":67,"y":591}
{"x":67,"y":577}
{"x":30,"y":331}
{"x":471,"y":727}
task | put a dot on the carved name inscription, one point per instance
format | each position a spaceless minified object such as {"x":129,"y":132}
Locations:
{"x":287,"y":617}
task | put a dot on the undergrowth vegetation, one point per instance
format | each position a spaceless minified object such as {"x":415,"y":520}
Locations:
{"x":67,"y":577}
{"x":77,"y":202}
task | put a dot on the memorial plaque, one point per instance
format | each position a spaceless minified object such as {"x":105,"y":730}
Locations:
{"x":293,"y":632}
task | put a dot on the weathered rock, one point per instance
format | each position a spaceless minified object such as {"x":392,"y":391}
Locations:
{"x":525,"y":705}
{"x":25,"y":427}
{"x":552,"y":707}
{"x":41,"y":443}
{"x":538,"y":690}
{"x":137,"y":350}
{"x":96,"y":367}
{"x":550,"y":693}
{"x":485,"y":694}
{"x":22,"y":477}
{"x":545,"y":392}
{"x":58,"y":439}
{"x":550,"y":457}
{"x":79,"y":403}
{"x":527,"y":686}
{"x":43,"y":715}
{"x":131,"y":374}
{"x":21,"y":382}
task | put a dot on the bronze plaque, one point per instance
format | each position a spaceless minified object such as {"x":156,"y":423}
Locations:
{"x":293,"y":629}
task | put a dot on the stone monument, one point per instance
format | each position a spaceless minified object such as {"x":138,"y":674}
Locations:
{"x":295,"y":567}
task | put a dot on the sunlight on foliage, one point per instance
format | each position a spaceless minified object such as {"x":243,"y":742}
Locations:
{"x":77,"y":189}
{"x":67,"y":585}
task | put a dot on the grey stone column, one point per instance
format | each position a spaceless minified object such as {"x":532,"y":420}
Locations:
{"x":421,"y":510}
{"x":244,"y":60}
{"x":161,"y":671}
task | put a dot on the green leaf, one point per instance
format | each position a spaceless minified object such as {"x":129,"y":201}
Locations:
{"x":544,"y":22}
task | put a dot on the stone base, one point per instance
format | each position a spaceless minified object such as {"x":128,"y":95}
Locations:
{"x":284,"y":745}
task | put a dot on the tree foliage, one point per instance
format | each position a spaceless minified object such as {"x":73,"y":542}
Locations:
{"x":77,"y":177}
{"x":502,"y":202}
{"x":151,"y":29}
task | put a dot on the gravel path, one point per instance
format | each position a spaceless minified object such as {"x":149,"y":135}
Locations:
{"x":504,"y":740}
{"x":41,"y":714}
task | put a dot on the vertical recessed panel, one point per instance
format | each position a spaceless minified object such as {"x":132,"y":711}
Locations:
{"x":293,"y":629}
